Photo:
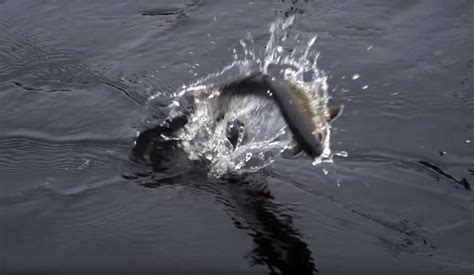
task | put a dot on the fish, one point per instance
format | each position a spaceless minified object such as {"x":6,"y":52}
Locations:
{"x":309,"y":127}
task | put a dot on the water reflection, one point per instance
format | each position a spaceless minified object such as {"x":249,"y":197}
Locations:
{"x":278,"y":244}
{"x":247,"y":200}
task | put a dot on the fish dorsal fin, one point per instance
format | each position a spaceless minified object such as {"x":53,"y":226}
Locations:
{"x":293,"y":151}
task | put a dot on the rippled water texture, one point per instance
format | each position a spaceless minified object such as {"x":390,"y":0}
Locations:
{"x":78,"y":81}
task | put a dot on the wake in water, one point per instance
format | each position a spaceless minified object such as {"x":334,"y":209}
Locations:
{"x":289,"y":56}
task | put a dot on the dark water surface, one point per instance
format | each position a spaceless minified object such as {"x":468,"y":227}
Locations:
{"x":74,"y":81}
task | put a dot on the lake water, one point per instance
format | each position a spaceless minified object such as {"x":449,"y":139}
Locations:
{"x":78,"y":79}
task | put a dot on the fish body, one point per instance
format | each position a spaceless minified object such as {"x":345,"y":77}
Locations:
{"x":309,"y":128}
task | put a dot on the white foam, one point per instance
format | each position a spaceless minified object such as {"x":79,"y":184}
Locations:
{"x":265,"y":129}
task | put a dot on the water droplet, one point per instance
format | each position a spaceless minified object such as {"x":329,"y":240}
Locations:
{"x":468,"y":141}
{"x":343,"y":154}
{"x":325,"y":171}
{"x":316,"y":161}
{"x":203,"y":140}
{"x":370,"y":47}
{"x":365,"y":87}
{"x":355,"y":76}
{"x":248,"y":156}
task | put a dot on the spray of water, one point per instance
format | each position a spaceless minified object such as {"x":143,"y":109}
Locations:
{"x":289,"y":55}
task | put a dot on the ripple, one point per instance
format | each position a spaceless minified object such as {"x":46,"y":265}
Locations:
{"x":413,"y":162}
{"x":394,"y":234}
{"x":63,"y":166}
{"x":24,"y":54}
{"x":162,"y":11}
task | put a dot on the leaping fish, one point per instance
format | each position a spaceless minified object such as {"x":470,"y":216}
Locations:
{"x":308,"y":126}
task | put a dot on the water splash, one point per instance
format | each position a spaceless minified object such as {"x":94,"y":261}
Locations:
{"x":288,"y":54}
